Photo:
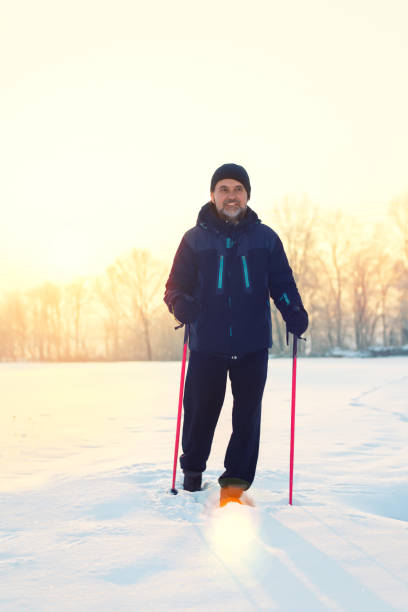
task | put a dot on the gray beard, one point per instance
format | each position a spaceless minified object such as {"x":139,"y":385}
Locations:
{"x":233,"y":220}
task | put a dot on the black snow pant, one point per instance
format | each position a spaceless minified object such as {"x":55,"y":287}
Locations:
{"x":204,"y":395}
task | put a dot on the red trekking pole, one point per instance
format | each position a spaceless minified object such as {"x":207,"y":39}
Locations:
{"x":292,"y":423}
{"x":176,"y":447}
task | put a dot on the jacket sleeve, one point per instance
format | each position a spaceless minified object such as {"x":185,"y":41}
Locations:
{"x":282,"y":286}
{"x":183,"y":274}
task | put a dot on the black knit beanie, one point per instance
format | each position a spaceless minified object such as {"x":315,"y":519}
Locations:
{"x":231,"y":171}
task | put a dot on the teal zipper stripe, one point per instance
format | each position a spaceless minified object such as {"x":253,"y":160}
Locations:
{"x":220,"y":271}
{"x":244,"y":263}
{"x":230,"y":331}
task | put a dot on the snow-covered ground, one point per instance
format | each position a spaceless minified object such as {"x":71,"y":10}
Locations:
{"x":87,"y":521}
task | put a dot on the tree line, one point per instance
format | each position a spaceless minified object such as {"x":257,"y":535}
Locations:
{"x":353,"y":278}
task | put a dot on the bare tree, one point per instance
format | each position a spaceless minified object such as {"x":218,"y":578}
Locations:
{"x":13,"y":326}
{"x":141,"y":279}
{"x":334,"y":251}
{"x":365,"y":292}
{"x":76,"y":325}
{"x":399,"y":215}
{"x":43,"y":306}
{"x":77,"y":294}
{"x":296,"y":222}
{"x":107,"y":290}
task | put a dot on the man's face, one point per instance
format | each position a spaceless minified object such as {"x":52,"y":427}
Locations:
{"x":230,"y":198}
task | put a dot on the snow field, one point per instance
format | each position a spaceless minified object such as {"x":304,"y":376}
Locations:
{"x":88,"y":523}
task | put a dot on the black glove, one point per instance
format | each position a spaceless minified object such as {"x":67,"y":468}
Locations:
{"x":185,"y":309}
{"x":296,"y":320}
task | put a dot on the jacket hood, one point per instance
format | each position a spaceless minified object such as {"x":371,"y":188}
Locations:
{"x":208,"y":219}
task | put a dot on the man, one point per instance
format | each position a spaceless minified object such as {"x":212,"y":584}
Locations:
{"x":224,"y":272}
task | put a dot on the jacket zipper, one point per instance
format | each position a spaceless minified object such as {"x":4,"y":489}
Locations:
{"x":245,"y":268}
{"x":220,"y":271}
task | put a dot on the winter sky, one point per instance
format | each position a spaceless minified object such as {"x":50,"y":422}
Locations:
{"x":115,"y":114}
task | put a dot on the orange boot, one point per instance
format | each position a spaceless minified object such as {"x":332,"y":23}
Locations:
{"x":231,"y":493}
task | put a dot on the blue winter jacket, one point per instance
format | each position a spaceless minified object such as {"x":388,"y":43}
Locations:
{"x":232,"y":271}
